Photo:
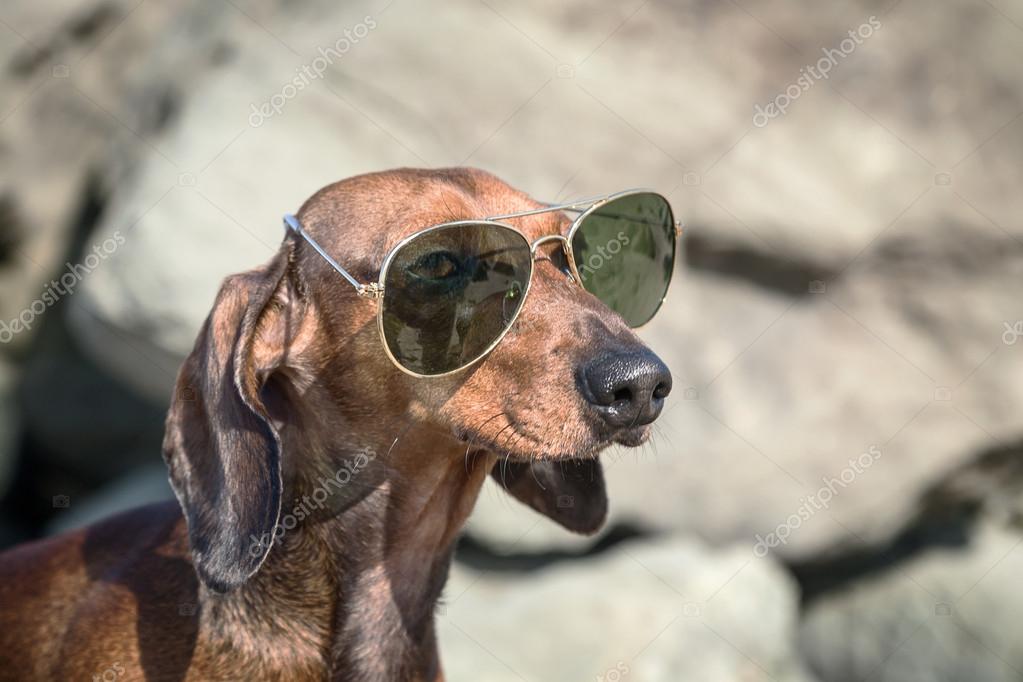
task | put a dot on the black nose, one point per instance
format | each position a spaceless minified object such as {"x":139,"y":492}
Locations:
{"x":626,"y":389}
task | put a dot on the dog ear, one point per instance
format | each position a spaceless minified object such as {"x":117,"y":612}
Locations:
{"x":221,"y":447}
{"x":570,"y":492}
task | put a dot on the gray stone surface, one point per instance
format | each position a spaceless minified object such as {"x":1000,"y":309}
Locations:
{"x":660,"y":610}
{"x":141,"y":486}
{"x":83,"y":424}
{"x":941,"y":602}
{"x":75,"y":120}
{"x":9,"y":425}
{"x":949,"y":615}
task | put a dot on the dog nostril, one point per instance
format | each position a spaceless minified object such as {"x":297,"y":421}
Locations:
{"x":662,"y":390}
{"x":626,"y":389}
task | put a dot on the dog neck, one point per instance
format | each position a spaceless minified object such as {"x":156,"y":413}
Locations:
{"x":380,"y":519}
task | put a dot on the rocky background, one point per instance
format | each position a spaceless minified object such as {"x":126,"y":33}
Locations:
{"x":835,"y":491}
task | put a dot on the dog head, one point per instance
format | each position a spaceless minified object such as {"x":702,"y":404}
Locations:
{"x":290,"y":345}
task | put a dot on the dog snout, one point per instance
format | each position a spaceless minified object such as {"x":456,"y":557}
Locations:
{"x":627,"y":389}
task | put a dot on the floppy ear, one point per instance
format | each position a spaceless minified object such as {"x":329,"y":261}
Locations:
{"x":222,"y":450}
{"x":570,"y":492}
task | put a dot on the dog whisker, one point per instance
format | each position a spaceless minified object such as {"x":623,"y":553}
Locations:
{"x":477,"y":432}
{"x":533,"y":474}
{"x":510,"y":425}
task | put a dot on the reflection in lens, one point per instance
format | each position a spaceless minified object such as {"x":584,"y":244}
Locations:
{"x":451,"y":292}
{"x":624,"y":252}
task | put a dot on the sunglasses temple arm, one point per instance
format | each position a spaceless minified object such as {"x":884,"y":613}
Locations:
{"x":575,"y":206}
{"x":678,"y":223}
{"x":367,"y":290}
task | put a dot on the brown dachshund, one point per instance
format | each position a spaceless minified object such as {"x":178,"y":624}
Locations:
{"x":320,"y":489}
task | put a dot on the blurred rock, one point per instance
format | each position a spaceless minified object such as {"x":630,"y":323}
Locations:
{"x":985,"y":490}
{"x":75,"y":120}
{"x":824,"y":416}
{"x":656,"y":610}
{"x":947,"y":615}
{"x":80,"y":422}
{"x":940,"y":601}
{"x":75,"y":123}
{"x":9,"y":426}
{"x":138,"y":487}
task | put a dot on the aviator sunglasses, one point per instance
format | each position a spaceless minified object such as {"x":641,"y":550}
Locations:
{"x":449,"y":293}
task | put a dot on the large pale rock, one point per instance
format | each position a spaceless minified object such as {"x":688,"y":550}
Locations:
{"x":948,"y":615}
{"x":662,"y":610}
{"x":75,"y":120}
{"x":894,"y":374}
{"x":938,"y":602}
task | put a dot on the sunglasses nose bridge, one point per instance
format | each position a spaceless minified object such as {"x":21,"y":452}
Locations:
{"x":566,"y":248}
{"x":549,"y":238}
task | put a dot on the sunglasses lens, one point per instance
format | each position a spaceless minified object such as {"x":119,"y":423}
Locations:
{"x":450,"y":293}
{"x":625,"y":254}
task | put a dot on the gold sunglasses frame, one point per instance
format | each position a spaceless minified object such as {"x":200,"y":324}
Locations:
{"x":585,"y":207}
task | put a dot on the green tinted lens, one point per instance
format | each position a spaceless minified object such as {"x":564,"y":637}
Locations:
{"x":451,"y":292}
{"x":625,"y":253}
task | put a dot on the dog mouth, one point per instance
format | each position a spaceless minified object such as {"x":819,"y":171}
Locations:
{"x":516,"y":444}
{"x":519,"y":454}
{"x":632,"y":437}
